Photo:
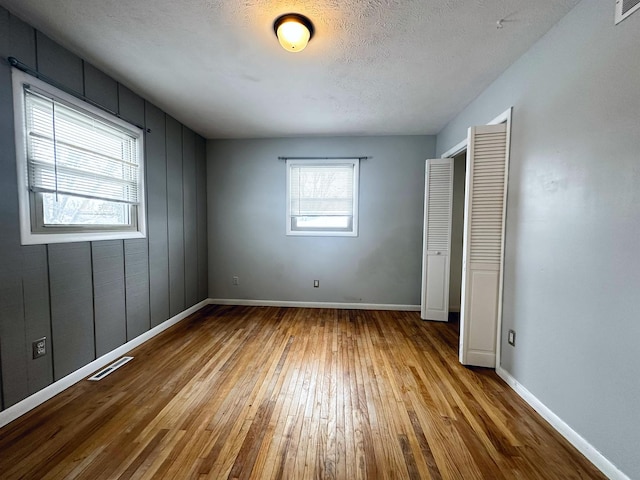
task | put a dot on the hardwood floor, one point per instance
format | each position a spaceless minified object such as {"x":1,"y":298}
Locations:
{"x":250,"y":392}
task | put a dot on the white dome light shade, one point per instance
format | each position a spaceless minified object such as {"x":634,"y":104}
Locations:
{"x":293,"y":31}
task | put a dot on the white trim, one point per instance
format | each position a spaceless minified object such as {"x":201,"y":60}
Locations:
{"x":343,"y":306}
{"x":455,"y":150}
{"x":504,"y":117}
{"x":573,"y":437}
{"x":27,"y":237}
{"x":31,"y":402}
{"x":462,"y":145}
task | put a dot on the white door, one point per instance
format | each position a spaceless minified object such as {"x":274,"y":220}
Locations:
{"x":485,"y":202}
{"x":438,"y":201}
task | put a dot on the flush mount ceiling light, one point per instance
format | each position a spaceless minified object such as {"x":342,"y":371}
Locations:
{"x":293,"y":31}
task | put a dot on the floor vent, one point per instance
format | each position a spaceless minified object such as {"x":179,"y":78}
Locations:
{"x":107,"y":370}
{"x":624,"y":8}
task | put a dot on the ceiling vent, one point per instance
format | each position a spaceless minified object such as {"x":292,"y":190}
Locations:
{"x":624,"y":8}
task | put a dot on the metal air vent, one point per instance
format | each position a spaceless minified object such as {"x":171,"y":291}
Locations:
{"x":111,"y":368}
{"x":624,"y":8}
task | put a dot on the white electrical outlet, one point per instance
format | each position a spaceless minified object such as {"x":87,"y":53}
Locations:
{"x":511,"y":338}
{"x":316,"y":284}
{"x":235,"y":280}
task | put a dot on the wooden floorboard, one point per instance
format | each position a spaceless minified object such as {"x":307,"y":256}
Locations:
{"x":266,"y":392}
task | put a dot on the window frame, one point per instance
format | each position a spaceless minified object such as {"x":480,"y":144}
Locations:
{"x":353,"y":232}
{"x":33,"y":231}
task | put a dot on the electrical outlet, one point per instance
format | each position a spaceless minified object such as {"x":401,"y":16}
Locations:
{"x":39,"y":347}
{"x":235,"y":280}
{"x":316,"y":284}
{"x":511,"y":338}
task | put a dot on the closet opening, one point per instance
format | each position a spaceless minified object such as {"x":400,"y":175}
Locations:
{"x":457,"y":234}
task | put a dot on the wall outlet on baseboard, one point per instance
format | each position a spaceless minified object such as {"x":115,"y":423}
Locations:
{"x":235,"y":280}
{"x":39,"y":347}
{"x":316,"y":284}
{"x":511,"y":338}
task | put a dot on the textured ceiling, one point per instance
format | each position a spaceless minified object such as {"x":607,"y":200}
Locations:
{"x":374,"y":67}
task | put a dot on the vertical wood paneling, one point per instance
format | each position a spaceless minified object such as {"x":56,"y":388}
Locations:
{"x":59,"y":64}
{"x":130,"y":106}
{"x":35,"y":282}
{"x":25,"y":304}
{"x":157,"y":215}
{"x":12,"y":329}
{"x":71,"y":307}
{"x":108,"y":294}
{"x":107,"y":257}
{"x":136,"y":251}
{"x":72,"y":328}
{"x":22,"y":41}
{"x":201,"y":194}
{"x":100,"y":88}
{"x":35,"y":279}
{"x":136,"y":261}
{"x":48,"y":291}
{"x":12,"y":326}
{"x":190,"y":216}
{"x":175,"y":217}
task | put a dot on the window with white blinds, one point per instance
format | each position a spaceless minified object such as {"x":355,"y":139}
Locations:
{"x":322,"y":197}
{"x":71,"y":152}
{"x":80,"y":168}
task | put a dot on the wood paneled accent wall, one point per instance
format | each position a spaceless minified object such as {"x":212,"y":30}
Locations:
{"x":88,"y":298}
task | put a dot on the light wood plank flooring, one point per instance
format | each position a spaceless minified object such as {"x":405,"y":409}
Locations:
{"x":250,"y":392}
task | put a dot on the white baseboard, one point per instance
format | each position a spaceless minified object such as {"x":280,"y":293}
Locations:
{"x":344,"y":306}
{"x":31,"y":402}
{"x":574,"y":438}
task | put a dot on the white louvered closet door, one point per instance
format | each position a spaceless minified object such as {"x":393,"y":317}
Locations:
{"x":485,"y":201}
{"x":436,"y":258}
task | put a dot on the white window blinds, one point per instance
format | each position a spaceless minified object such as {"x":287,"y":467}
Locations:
{"x":321,"y":190}
{"x":322,"y":197}
{"x":72,"y":152}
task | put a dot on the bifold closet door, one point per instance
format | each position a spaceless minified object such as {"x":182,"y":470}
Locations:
{"x":436,"y":259}
{"x":485,"y":199}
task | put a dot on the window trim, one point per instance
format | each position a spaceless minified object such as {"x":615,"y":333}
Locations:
{"x":356,"y":193}
{"x":30,"y":232}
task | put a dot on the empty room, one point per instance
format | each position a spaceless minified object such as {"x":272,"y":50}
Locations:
{"x":293,"y":239}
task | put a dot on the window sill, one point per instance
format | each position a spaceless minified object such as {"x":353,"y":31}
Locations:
{"x":296,"y":233}
{"x":28,"y":238}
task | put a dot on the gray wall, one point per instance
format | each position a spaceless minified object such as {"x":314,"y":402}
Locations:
{"x":89,"y":298}
{"x":247,"y":223}
{"x":573,"y":223}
